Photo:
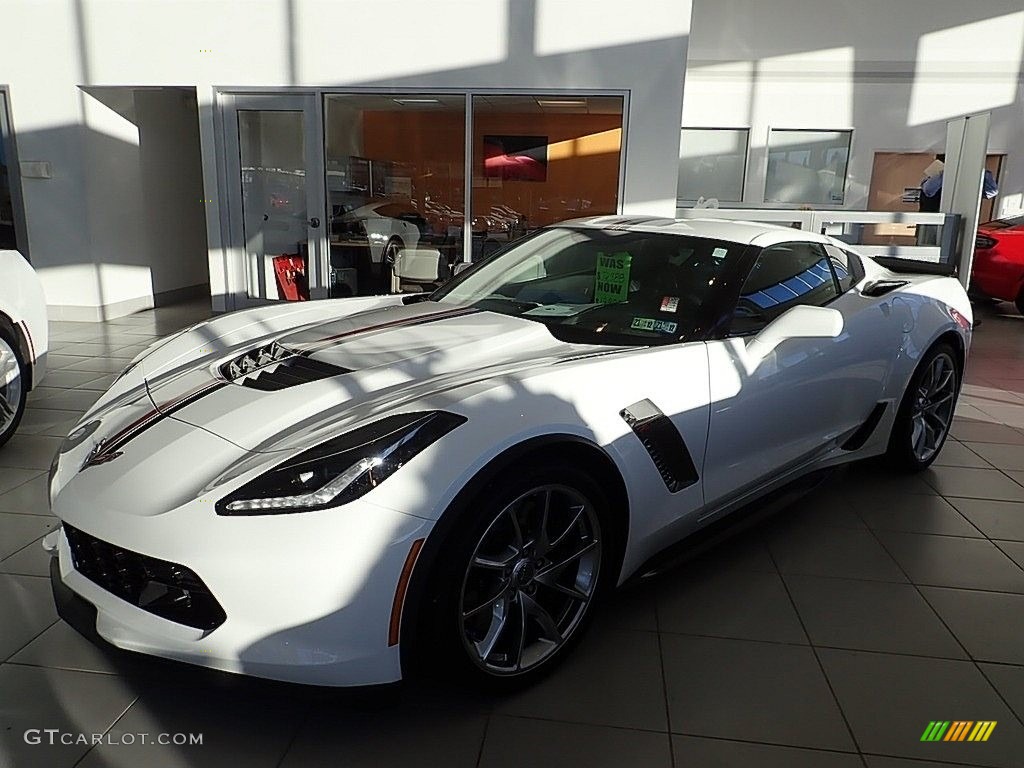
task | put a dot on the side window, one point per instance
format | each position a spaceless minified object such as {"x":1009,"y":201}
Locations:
{"x":846,"y":267}
{"x":783,"y":276}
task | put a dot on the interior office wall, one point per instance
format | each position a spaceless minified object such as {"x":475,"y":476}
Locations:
{"x":173,"y":203}
{"x":53,"y":46}
{"x":583,"y":155}
{"x":894,"y":72}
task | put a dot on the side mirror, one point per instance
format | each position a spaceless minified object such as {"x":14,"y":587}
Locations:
{"x":800,"y":322}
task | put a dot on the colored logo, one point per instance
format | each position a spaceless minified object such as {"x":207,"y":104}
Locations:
{"x":958,"y":730}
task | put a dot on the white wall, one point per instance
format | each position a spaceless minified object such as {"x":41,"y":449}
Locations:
{"x":54,"y":45}
{"x":892,"y":71}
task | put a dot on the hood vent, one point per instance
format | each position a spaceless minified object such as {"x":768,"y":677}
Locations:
{"x":274,"y":367}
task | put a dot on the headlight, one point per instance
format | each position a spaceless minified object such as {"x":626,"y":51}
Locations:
{"x":341,"y":469}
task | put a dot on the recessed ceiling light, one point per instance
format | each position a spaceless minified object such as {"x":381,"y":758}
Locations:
{"x":562,"y":102}
{"x":416,"y":101}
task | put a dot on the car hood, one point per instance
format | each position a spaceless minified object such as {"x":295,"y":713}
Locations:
{"x":298,"y":388}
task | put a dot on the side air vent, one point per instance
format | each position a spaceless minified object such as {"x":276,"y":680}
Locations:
{"x":663,"y":442}
{"x":274,"y":367}
{"x":865,"y":430}
{"x":882,"y":287}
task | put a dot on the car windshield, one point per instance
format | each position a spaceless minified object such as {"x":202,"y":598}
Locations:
{"x":600,"y":286}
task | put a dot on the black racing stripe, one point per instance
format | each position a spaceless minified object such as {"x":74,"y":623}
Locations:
{"x":110,"y":449}
{"x":327,"y":341}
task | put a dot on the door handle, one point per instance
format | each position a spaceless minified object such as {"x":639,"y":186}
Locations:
{"x":314,"y":222}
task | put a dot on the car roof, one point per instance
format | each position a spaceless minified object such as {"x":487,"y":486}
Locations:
{"x":743,"y":232}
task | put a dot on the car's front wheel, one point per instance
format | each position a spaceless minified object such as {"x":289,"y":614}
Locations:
{"x":13,"y":389}
{"x":520,"y":579}
{"x":926,"y":411}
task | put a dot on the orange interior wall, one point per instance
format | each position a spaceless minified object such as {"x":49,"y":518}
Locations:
{"x":582,"y":169}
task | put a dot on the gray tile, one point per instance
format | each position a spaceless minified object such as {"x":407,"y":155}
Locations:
{"x":728,"y":603}
{"x":875,"y":761}
{"x":11,"y":477}
{"x":955,"y":454}
{"x":853,"y":554}
{"x":98,"y":364}
{"x":1014,"y":550}
{"x":986,"y":431}
{"x":871,"y":483}
{"x":697,"y":752}
{"x":26,"y":605}
{"x":18,"y":530}
{"x":948,"y":561}
{"x":68,"y":399}
{"x":1009,"y":681}
{"x":62,"y":647}
{"x":996,"y":519}
{"x":870,"y":616}
{"x":29,"y":452}
{"x":236,"y":729}
{"x":633,"y":608}
{"x":31,"y":498}
{"x":744,"y":552}
{"x":989,"y":624}
{"x":974,"y":483}
{"x":101,"y":384}
{"x":63,"y":360}
{"x":916,"y":513}
{"x":449,"y":736}
{"x":46,"y":421}
{"x":999,"y":455}
{"x":611,"y":678}
{"x":742,"y":689}
{"x":889,"y":700}
{"x":516,"y":742}
{"x":31,"y":560}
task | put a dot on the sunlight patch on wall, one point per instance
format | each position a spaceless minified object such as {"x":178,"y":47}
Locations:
{"x":604,"y":28}
{"x":969,"y":68}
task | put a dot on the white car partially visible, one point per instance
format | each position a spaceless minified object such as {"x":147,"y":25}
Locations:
{"x":23,"y":338}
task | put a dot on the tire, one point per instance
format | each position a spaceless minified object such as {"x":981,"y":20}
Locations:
{"x":926,"y":411}
{"x":1019,"y":302}
{"x":13,"y":387}
{"x":495,"y":583}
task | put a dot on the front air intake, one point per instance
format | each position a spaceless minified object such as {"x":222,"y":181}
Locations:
{"x":165,"y":589}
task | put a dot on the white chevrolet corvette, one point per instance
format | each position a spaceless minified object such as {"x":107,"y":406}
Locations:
{"x":23,"y":338}
{"x":320,"y":492}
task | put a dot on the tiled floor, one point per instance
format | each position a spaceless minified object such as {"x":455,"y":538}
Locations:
{"x":827,"y":637}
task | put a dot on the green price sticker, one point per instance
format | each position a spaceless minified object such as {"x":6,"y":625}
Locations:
{"x":611,"y":279}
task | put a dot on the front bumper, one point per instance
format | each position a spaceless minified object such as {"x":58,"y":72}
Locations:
{"x":306,"y":600}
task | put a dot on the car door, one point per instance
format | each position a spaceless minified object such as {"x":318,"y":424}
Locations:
{"x":776,"y":411}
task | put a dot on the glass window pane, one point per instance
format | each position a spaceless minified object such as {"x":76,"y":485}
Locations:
{"x":8,"y":238}
{"x":807,"y":167}
{"x":395,"y":190}
{"x":272,"y":156}
{"x":542,"y":159}
{"x":782,"y":277}
{"x":712,"y":162}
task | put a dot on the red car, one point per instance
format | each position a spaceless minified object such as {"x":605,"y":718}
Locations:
{"x":999,"y":260}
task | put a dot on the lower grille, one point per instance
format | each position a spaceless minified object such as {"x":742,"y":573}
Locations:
{"x":165,"y":589}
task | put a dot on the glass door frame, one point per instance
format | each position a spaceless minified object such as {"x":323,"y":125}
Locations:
{"x":225,"y":121}
{"x":309,"y":103}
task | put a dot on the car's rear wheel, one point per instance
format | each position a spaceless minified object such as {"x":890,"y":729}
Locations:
{"x":1019,"y":301}
{"x":13,"y":389}
{"x":926,"y":411}
{"x":518,"y":583}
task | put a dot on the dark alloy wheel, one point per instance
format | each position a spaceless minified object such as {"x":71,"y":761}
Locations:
{"x":518,"y":582}
{"x":13,"y":388}
{"x":926,"y":411}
